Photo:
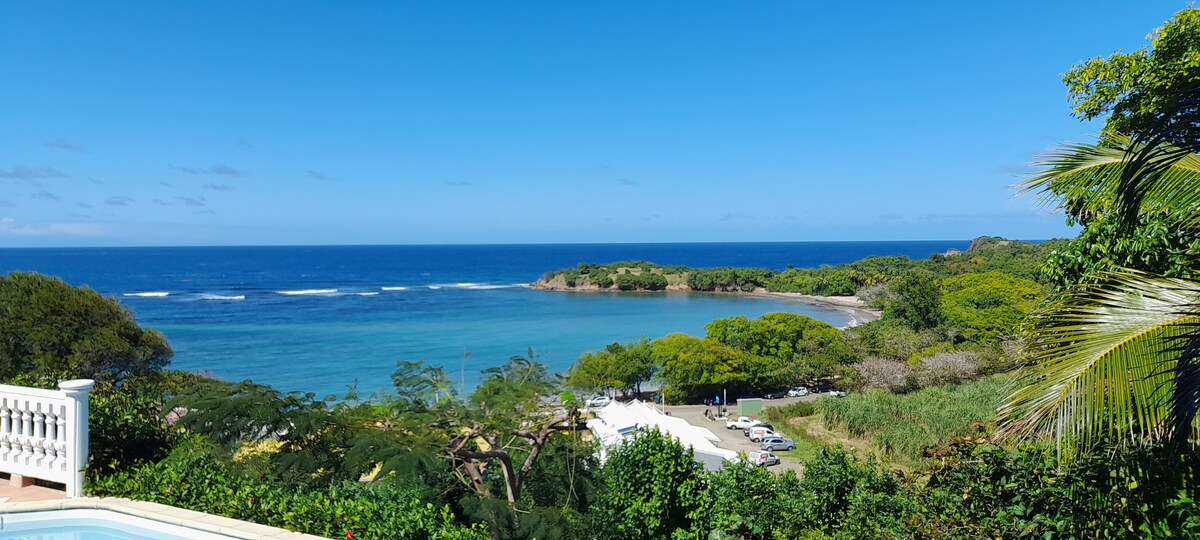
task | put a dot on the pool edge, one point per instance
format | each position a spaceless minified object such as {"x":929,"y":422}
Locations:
{"x":242,"y":530}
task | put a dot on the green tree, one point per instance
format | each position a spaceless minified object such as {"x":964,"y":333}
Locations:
{"x":596,"y":372}
{"x":805,"y":348}
{"x":1116,"y":359}
{"x":753,"y":503}
{"x":917,"y":300}
{"x":49,"y":328}
{"x":988,"y":305}
{"x":1132,"y":89}
{"x":309,"y":436}
{"x":844,"y":494}
{"x":1153,"y":244}
{"x":654,"y":489}
{"x":492,"y":441}
{"x":694,"y":368}
{"x":623,"y":367}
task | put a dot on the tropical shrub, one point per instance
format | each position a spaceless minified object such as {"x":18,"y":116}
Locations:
{"x":851,"y":498}
{"x":192,"y":478}
{"x":125,"y":430}
{"x":654,"y":489}
{"x":970,"y":488}
{"x":753,"y":503}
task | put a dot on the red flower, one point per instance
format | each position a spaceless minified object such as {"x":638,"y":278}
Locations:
{"x":349,"y":534}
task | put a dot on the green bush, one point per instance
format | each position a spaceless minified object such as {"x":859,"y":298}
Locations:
{"x":125,"y":430}
{"x":654,"y":489}
{"x":851,"y":498}
{"x":191,"y":478}
{"x":728,"y":279}
{"x":973,"y":489}
{"x":627,"y":282}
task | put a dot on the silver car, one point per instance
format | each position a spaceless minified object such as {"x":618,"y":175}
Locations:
{"x":777,"y":443}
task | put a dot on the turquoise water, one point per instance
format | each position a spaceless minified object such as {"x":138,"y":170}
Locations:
{"x":319,"y":319}
{"x":95,"y":531}
{"x":57,"y":525}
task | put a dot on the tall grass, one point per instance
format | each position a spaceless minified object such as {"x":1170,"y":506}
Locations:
{"x":900,"y":426}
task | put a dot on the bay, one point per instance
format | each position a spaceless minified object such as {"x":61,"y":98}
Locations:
{"x":321,"y":318}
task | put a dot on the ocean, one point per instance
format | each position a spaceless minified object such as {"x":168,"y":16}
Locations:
{"x":322,"y":318}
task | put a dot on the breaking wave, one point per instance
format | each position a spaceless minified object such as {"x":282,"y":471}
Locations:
{"x":222,"y":297}
{"x":480,"y":286}
{"x":304,"y":292}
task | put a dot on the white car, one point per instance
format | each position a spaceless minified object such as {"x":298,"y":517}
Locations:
{"x":837,"y":393}
{"x":757,"y":433}
{"x":799,"y":391}
{"x":599,"y":401}
{"x":742,"y":422}
{"x":763,"y":458}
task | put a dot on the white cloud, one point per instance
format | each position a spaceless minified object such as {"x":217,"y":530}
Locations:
{"x":10,"y":227}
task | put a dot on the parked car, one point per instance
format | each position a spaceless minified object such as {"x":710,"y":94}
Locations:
{"x":763,"y":458}
{"x":742,"y":422}
{"x":757,"y":433}
{"x":777,"y":443}
{"x":746,"y":431}
{"x":798,"y":391}
{"x":775,"y":395}
{"x":837,"y":393}
{"x":599,"y":401}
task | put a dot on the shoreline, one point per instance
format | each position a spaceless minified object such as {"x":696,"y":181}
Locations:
{"x":852,"y":306}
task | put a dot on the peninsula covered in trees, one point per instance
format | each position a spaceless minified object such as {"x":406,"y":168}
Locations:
{"x":985,"y":254}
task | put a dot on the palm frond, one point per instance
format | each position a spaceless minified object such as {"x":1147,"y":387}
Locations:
{"x":1102,"y":364}
{"x":1130,"y":177}
{"x":1185,"y":400}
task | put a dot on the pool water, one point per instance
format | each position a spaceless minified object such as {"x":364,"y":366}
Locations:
{"x":93,"y":525}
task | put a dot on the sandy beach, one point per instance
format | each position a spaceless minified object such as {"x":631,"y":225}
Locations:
{"x":852,"y":305}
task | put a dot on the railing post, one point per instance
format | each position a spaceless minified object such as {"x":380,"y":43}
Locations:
{"x":77,"y":432}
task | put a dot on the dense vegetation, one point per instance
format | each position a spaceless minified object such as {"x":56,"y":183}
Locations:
{"x":1098,"y":439}
{"x":48,"y":328}
{"x":986,"y":254}
{"x":902,"y":426}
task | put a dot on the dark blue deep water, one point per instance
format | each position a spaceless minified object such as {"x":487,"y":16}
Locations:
{"x":320,"y":318}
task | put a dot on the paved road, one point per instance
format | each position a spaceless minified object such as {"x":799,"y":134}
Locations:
{"x":734,"y":439}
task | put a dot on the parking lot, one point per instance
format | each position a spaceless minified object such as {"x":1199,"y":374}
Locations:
{"x":733,"y":439}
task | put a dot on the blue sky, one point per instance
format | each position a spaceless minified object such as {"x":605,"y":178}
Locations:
{"x":235,"y":123}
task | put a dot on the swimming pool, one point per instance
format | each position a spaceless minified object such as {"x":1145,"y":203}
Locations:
{"x":123,"y":519}
{"x":93,"y":525}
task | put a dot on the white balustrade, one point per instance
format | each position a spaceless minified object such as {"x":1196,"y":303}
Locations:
{"x":44,"y":433}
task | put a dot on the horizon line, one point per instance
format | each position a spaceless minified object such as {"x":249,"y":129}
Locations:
{"x":497,"y":244}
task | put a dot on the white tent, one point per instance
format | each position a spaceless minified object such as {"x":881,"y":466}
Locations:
{"x":619,"y":421}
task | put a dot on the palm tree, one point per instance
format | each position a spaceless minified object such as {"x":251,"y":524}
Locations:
{"x":1118,"y":358}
